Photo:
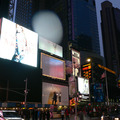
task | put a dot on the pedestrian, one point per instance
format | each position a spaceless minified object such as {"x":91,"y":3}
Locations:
{"x":48,"y":115}
{"x":67,"y":114}
{"x":62,"y":114}
{"x":81,"y":115}
{"x":40,"y":115}
{"x":36,"y":114}
{"x":51,"y":114}
{"x":44,"y":114}
{"x":103,"y":116}
{"x":32,"y":114}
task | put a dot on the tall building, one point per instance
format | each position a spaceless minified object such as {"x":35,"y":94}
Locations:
{"x":84,"y":29}
{"x":110,"y":24}
{"x":4,"y":8}
{"x":111,"y":35}
{"x":79,"y":24}
{"x":20,"y":11}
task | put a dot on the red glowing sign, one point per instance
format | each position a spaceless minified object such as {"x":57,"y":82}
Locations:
{"x":86,"y":71}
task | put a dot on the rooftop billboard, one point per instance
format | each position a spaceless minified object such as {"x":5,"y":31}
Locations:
{"x":18,"y":43}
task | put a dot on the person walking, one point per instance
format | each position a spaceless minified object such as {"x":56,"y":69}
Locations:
{"x":40,"y":115}
{"x":48,"y":115}
{"x":67,"y":114}
{"x":62,"y":114}
{"x":44,"y":114}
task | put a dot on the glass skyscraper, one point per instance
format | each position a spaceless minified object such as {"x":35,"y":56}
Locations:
{"x":84,"y":29}
{"x":110,"y":17}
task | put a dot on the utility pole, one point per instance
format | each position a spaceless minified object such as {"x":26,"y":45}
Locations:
{"x":26,"y":92}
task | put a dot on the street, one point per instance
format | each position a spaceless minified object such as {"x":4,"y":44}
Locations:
{"x":72,"y":117}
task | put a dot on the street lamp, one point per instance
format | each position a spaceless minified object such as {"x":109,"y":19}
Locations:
{"x":89,"y":60}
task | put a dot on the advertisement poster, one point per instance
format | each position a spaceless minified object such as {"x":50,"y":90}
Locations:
{"x":48,"y":91}
{"x":50,"y":47}
{"x":83,"y":88}
{"x":98,"y":92}
{"x":18,"y":43}
{"x":52,"y":67}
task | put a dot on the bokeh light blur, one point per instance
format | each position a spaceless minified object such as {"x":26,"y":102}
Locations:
{"x":48,"y":25}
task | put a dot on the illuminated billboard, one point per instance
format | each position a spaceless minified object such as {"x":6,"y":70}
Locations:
{"x":18,"y":43}
{"x":98,"y":92}
{"x":83,"y":85}
{"x":61,"y":92}
{"x":86,"y":70}
{"x":52,"y":67}
{"x":75,"y":61}
{"x":50,"y":47}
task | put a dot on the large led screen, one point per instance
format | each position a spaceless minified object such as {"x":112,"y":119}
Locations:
{"x":52,"y":67}
{"x":83,"y":86}
{"x":50,"y":47}
{"x":18,"y":43}
{"x":48,"y":91}
{"x":98,"y":92}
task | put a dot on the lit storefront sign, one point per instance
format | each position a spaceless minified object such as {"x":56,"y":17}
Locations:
{"x":87,"y":71}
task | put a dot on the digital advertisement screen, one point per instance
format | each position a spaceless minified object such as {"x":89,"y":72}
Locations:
{"x":48,"y":91}
{"x":52,"y":67}
{"x":83,"y":86}
{"x":18,"y":43}
{"x":50,"y":47}
{"x":98,"y":92}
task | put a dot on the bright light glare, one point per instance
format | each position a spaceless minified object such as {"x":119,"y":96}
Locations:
{"x":48,"y":25}
{"x":88,"y":60}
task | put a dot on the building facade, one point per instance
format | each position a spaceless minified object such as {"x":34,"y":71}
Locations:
{"x":4,"y":8}
{"x":84,"y":25}
{"x":21,"y":12}
{"x":110,"y":32}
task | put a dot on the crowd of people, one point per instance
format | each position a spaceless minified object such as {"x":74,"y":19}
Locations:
{"x":42,"y":114}
{"x":35,"y":114}
{"x":65,"y":113}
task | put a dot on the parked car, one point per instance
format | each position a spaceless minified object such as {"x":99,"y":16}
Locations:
{"x":9,"y":115}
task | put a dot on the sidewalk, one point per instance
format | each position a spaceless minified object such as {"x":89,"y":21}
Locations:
{"x":72,"y":117}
